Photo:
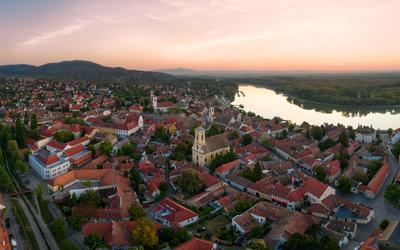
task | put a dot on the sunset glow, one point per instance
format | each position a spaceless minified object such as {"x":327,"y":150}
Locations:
{"x":205,"y":34}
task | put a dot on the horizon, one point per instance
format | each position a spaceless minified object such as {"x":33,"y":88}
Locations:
{"x":228,"y":36}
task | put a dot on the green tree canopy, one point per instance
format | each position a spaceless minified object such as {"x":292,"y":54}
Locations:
{"x":145,"y":233}
{"x":94,"y":241}
{"x":191,"y":181}
{"x":106,"y":147}
{"x":344,"y":184}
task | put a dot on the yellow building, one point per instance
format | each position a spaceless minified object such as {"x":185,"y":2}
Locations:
{"x":204,"y":149}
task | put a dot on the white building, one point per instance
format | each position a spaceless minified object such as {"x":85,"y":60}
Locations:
{"x":48,"y":165}
{"x":365,"y":135}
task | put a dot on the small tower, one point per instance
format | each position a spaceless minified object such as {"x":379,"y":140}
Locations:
{"x":154,"y":103}
{"x":211,"y":114}
{"x":200,"y":136}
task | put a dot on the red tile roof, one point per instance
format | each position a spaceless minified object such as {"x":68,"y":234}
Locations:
{"x":333,"y":168}
{"x":78,"y":141}
{"x":57,"y":145}
{"x":227,"y":166}
{"x":379,"y":178}
{"x":178,"y":213}
{"x":195,"y":244}
{"x":49,"y":160}
{"x":75,"y":150}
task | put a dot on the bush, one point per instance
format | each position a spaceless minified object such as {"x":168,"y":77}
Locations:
{"x":384,"y":224}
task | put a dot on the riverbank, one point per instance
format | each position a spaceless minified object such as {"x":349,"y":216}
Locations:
{"x":269,"y":103}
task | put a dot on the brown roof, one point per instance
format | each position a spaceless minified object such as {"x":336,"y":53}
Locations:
{"x":106,"y":176}
{"x":215,"y":142}
{"x":195,"y":244}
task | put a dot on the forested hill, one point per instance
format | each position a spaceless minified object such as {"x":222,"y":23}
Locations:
{"x":82,"y":71}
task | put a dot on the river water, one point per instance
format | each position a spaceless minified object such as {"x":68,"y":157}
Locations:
{"x":268,"y":104}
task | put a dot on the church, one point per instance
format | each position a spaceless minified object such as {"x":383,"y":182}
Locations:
{"x":204,"y":149}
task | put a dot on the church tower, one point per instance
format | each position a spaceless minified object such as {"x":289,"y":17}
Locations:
{"x":154,"y":99}
{"x":200,"y":136}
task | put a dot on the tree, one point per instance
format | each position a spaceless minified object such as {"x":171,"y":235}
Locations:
{"x":325,"y":144}
{"x":267,"y":143}
{"x":21,"y":166}
{"x":161,"y":134}
{"x":300,"y":242}
{"x":106,"y":147}
{"x":389,"y":131}
{"x":1,"y":156}
{"x":343,"y":139}
{"x":136,"y":212}
{"x":320,"y":173}
{"x":57,"y":229}
{"x":12,"y":151}
{"x":163,"y":187}
{"x":34,"y":122}
{"x":344,"y":184}
{"x":67,"y":245}
{"x":135,"y":178}
{"x":190,"y":181}
{"x":20,"y":133}
{"x":5,"y":136}
{"x":214,"y":130}
{"x":243,"y":205}
{"x":173,"y":236}
{"x":258,"y":244}
{"x":384,"y":223}
{"x":145,"y":233}
{"x":64,"y":136}
{"x":90,"y":198}
{"x":351,"y":134}
{"x":246,"y":139}
{"x":94,"y":241}
{"x":396,"y":149}
{"x":142,"y":188}
{"x":254,"y":174}
{"x":127,"y":149}
{"x":234,"y":135}
{"x":317,"y":132}
{"x":343,"y":158}
{"x":221,"y":159}
{"x":392,"y":193}
{"x":6,"y":183}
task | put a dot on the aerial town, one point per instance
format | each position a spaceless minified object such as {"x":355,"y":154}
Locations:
{"x":160,"y":166}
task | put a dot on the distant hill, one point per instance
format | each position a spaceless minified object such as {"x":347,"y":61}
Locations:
{"x":79,"y":70}
{"x":180,"y":72}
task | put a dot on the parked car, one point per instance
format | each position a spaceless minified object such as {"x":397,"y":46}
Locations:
{"x":7,"y":222}
{"x":13,"y":242}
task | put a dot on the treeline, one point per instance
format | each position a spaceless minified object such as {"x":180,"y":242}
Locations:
{"x":358,"y":90}
{"x":9,"y":153}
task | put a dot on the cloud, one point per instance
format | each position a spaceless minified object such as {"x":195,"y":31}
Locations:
{"x":44,"y":38}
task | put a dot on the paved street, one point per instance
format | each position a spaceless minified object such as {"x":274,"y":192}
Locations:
{"x":383,"y":209}
{"x":75,"y":237}
{"x":36,"y":231}
{"x":14,"y":226}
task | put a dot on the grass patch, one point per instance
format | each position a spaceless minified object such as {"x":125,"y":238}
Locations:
{"x":25,"y":227}
{"x":210,"y":226}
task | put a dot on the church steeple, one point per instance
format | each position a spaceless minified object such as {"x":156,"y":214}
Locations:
{"x":200,"y":136}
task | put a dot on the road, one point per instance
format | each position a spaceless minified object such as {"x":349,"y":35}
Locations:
{"x":71,"y":235}
{"x":36,"y":231}
{"x":40,"y":228}
{"x":383,"y":209}
{"x":14,"y":226}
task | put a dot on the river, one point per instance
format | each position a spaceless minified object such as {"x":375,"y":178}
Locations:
{"x":268,"y":104}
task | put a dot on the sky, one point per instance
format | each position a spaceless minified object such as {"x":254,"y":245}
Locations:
{"x":270,"y":35}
